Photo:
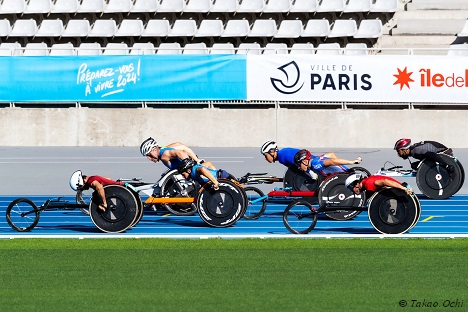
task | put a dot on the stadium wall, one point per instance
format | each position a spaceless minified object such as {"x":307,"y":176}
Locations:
{"x":219,"y":127}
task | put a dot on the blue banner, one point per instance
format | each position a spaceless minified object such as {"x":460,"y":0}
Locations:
{"x":122,"y":78}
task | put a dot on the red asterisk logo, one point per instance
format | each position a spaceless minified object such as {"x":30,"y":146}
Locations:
{"x":403,"y":78}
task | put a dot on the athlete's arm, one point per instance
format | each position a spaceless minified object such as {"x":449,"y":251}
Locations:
{"x":390,"y":183}
{"x":186,"y":149}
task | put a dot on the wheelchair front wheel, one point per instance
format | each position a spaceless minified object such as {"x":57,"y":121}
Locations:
{"x":22,"y":215}
{"x":256,"y":203}
{"x":299,"y":217}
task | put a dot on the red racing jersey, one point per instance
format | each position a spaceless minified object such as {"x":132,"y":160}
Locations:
{"x":103,"y":180}
{"x":369,"y":183}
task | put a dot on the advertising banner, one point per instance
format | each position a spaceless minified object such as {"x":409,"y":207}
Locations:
{"x":122,"y":78}
{"x":373,"y":78}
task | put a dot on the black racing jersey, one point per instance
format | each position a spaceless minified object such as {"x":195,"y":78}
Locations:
{"x":421,"y":149}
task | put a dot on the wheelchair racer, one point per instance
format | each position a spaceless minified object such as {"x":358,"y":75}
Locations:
{"x":324,"y":165}
{"x":78,"y":181}
{"x":422,"y":150}
{"x":373,"y":183}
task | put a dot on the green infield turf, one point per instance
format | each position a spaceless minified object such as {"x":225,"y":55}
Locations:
{"x":233,"y":275}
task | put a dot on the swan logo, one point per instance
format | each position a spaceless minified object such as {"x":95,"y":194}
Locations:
{"x":290,"y":82}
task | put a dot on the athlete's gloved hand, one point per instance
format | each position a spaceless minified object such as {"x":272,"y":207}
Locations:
{"x":358,"y":160}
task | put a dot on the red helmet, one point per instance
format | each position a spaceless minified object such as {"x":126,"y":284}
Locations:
{"x":402,"y":144}
{"x":301,"y":155}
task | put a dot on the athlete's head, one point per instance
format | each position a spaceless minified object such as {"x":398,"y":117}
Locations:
{"x":402,"y":147}
{"x":302,"y":159}
{"x":186,"y":164}
{"x":269,"y":149}
{"x":352,"y":182}
{"x":76,"y":180}
{"x":148,"y":149}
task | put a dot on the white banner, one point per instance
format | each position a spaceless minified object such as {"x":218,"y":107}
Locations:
{"x":373,"y":78}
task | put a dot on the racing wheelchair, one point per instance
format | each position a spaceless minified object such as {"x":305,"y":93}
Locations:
{"x":432,"y":179}
{"x":301,"y":185}
{"x":390,"y":210}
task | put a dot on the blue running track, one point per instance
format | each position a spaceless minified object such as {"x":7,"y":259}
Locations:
{"x":439,"y":218}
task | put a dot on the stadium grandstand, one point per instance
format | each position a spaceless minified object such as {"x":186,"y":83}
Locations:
{"x":340,"y":63}
{"x":114,"y":27}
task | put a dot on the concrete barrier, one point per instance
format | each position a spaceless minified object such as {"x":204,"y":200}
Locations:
{"x":214,"y":127}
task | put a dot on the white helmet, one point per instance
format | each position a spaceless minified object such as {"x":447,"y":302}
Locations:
{"x":267,"y":146}
{"x":147,"y":146}
{"x":352,"y":180}
{"x":76,"y":180}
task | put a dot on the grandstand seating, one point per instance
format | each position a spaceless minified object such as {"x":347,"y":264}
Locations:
{"x":301,"y":25}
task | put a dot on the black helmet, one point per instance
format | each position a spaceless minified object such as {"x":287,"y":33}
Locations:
{"x":186,"y":164}
{"x":301,"y":155}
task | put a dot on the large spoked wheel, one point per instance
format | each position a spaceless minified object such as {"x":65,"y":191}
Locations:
{"x":223,"y":207}
{"x":392,"y":211}
{"x":435,"y":182}
{"x":22,"y":215}
{"x":300,"y":217}
{"x":334,"y":194}
{"x":121,"y":212}
{"x":83,"y":197}
{"x":256,"y":203}
{"x":170,"y":189}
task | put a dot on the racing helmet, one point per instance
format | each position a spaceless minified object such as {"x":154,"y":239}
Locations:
{"x":147,"y":146}
{"x":76,"y":180}
{"x":267,"y":146}
{"x":402,"y":144}
{"x":301,"y":155}
{"x":186,"y":164}
{"x":352,"y":180}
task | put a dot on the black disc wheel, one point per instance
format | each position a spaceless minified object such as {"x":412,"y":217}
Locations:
{"x":171,"y":188}
{"x":300,"y":217}
{"x":121,"y":212}
{"x":22,"y":215}
{"x":256,"y":203}
{"x":299,"y":180}
{"x":222,"y":207}
{"x":462,"y":170}
{"x":360,"y":170}
{"x":333,"y":194}
{"x":392,"y":211}
{"x":435,"y":181}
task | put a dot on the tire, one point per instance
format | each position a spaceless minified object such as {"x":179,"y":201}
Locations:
{"x":392,"y":211}
{"x":84,"y":198}
{"x":169,"y":189}
{"x":333,"y":192}
{"x":435,"y":182}
{"x":299,"y":217}
{"x":22,"y":215}
{"x":139,"y":206}
{"x":223,"y":207}
{"x":462,"y":170}
{"x":121,"y":213}
{"x":256,"y":203}
{"x":363,"y":171}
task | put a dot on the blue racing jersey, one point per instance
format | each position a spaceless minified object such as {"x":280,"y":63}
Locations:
{"x":196,"y":177}
{"x":318,"y":166}
{"x":286,"y":156}
{"x":174,"y":162}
